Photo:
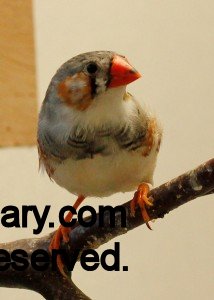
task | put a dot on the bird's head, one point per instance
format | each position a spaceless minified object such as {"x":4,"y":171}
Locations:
{"x":83,"y":78}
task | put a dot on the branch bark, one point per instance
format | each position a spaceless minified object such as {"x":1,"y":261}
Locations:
{"x":52,"y":285}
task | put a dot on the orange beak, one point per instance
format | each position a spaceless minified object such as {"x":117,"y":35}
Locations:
{"x":121,"y":72}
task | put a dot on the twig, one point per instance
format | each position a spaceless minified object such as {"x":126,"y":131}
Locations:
{"x":52,"y":285}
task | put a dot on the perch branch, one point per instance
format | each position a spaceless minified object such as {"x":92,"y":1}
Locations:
{"x":52,"y":285}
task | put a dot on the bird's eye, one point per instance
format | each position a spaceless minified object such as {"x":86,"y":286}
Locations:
{"x":92,"y":68}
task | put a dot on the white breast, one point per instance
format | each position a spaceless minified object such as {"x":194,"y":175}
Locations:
{"x":104,"y":175}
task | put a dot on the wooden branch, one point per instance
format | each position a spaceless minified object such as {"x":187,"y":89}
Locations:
{"x":52,"y":285}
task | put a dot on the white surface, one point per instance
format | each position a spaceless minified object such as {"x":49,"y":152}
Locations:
{"x":171,"y":43}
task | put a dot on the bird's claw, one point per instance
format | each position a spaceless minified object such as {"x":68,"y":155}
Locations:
{"x":141,"y":198}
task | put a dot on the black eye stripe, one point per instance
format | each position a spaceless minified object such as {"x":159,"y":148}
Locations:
{"x":92,"y":68}
{"x":93,"y":86}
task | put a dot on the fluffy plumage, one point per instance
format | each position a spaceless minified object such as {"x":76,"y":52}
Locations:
{"x":109,"y":146}
{"x":94,"y":138}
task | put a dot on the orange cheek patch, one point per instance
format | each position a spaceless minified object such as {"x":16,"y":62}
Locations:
{"x":75,"y":91}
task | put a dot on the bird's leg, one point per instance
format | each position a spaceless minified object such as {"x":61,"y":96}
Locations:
{"x":62,"y":233}
{"x":141,"y":198}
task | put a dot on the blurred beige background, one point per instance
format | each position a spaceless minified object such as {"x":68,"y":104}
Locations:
{"x":172,"y":44}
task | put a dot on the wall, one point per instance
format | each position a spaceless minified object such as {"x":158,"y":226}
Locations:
{"x":18,"y":113}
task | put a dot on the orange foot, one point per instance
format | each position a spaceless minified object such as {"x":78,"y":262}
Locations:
{"x":141,"y":199}
{"x":62,"y":233}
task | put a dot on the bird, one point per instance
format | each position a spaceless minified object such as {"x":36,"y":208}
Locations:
{"x":94,"y":138}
